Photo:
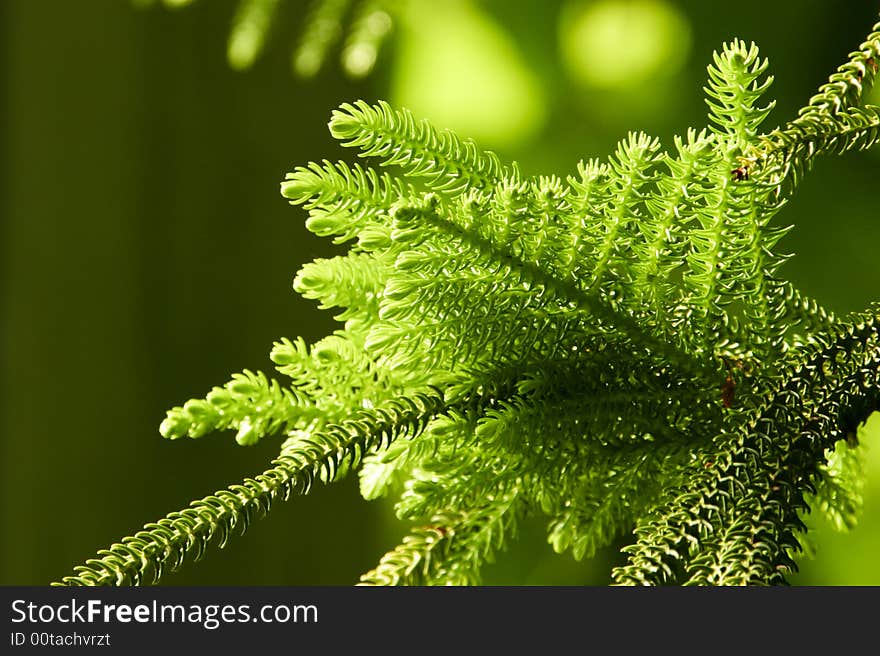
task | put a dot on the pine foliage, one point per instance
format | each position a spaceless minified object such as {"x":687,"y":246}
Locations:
{"x":615,"y":351}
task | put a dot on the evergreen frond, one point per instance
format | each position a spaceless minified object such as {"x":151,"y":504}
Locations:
{"x":447,"y":163}
{"x":520,"y":274}
{"x":164,"y":545}
{"x":631,"y":171}
{"x":615,"y":349}
{"x":838,"y":495}
{"x":353,"y":282}
{"x":664,"y":240}
{"x":249,"y":403}
{"x":788,"y":153}
{"x":845,"y":87}
{"x":342,"y":200}
{"x":736,"y":520}
{"x":450,"y":550}
{"x":732,"y":263}
{"x":335,"y":374}
{"x":609,"y":498}
{"x":733,"y":92}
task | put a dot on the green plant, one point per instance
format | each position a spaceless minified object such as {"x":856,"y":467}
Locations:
{"x":615,"y":350}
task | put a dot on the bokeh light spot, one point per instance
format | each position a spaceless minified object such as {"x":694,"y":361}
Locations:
{"x":460,"y":69}
{"x":622,"y":43}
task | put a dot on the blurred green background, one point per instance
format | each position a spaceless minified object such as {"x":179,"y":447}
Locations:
{"x":147,"y":253}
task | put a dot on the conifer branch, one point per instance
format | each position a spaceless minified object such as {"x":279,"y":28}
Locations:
{"x":615,"y":348}
{"x":166,"y":544}
{"x":447,"y":163}
{"x":449,"y":550}
{"x":736,"y":520}
{"x":845,"y":87}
